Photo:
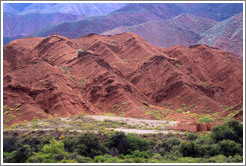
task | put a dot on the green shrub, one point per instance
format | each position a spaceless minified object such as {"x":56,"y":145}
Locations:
{"x":169,"y":143}
{"x":189,"y":149}
{"x":191,"y":136}
{"x":203,"y":84}
{"x":21,"y":154}
{"x":142,"y":154}
{"x":174,"y":153}
{"x":235,"y":159}
{"x":80,"y":51}
{"x":82,"y":159}
{"x":177,"y":65}
{"x":100,"y":159}
{"x":5,"y":107}
{"x":205,"y":139}
{"x":189,"y":160}
{"x":89,"y":145}
{"x":179,"y":110}
{"x":207,"y":150}
{"x":70,"y":143}
{"x":217,"y":159}
{"x":35,"y":142}
{"x":137,"y":143}
{"x":55,"y":147}
{"x":119,"y":141}
{"x":231,"y":130}
{"x":230,"y":148}
{"x":51,"y":153}
{"x":140,"y":160}
{"x":6,"y":112}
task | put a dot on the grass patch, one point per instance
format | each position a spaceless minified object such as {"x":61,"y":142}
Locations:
{"x":203,"y":84}
{"x":179,"y":110}
{"x":80,"y":51}
{"x":206,"y":119}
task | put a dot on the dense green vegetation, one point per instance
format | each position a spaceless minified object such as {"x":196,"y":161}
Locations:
{"x":223,"y":144}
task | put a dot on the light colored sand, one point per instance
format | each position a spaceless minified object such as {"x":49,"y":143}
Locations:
{"x":151,"y":124}
{"x":134,"y":121}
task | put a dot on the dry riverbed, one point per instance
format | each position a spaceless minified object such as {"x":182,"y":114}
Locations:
{"x":99,"y":123}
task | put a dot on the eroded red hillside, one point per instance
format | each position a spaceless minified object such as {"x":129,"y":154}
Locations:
{"x":119,"y":74}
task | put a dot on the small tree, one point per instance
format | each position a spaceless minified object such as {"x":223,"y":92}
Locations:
{"x":70,"y":143}
{"x":169,"y":143}
{"x":189,"y":149}
{"x":51,"y":153}
{"x":137,"y":143}
{"x":191,"y":136}
{"x":89,"y":145}
{"x":21,"y":154}
{"x":119,"y":141}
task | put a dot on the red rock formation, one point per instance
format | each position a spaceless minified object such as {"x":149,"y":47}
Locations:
{"x":115,"y":74}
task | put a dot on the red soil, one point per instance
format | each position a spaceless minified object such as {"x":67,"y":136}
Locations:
{"x":117,"y":74}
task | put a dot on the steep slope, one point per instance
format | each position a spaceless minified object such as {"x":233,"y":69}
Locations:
{"x":132,"y":14}
{"x":226,"y":35}
{"x":183,"y":30}
{"x":24,"y":25}
{"x":40,"y":15}
{"x":84,"y":9}
{"x":119,"y":74}
{"x":137,"y":13}
{"x":198,"y":75}
{"x":217,"y":11}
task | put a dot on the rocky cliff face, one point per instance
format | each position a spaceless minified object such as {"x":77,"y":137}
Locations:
{"x":226,"y":35}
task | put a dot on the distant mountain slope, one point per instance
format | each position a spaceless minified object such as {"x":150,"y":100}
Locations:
{"x":129,"y":15}
{"x":226,"y":35}
{"x":182,"y":30}
{"x":132,"y":14}
{"x":84,"y":9}
{"x":40,"y":15}
{"x":15,"y":25}
{"x":218,"y":11}
{"x":162,"y":10}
